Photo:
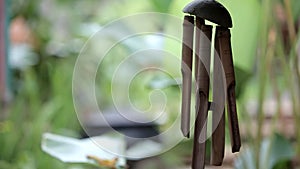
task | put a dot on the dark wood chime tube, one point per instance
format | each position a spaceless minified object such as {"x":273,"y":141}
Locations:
{"x":212,"y":11}
{"x":187,"y":61}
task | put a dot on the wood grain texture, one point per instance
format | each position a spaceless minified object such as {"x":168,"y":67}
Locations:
{"x":218,"y":123}
{"x":186,"y":69}
{"x":203,"y":48}
{"x":223,"y":35}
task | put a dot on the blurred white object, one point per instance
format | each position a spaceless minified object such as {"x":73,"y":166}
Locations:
{"x":104,"y":147}
{"x":144,"y":149}
{"x":22,"y":56}
{"x":71,"y":150}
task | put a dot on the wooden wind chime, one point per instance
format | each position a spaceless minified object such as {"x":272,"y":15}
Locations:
{"x":198,"y":11}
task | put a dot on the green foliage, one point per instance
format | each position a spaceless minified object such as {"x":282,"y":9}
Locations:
{"x":43,"y":93}
{"x":276,"y":153}
{"x":296,"y":9}
{"x":43,"y":100}
{"x":29,"y":116}
{"x":242,"y":79}
{"x":161,"y":6}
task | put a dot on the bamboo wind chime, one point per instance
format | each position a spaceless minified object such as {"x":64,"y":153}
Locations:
{"x":214,"y":12}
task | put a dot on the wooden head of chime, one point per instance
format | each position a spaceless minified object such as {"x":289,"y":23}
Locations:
{"x":214,"y":12}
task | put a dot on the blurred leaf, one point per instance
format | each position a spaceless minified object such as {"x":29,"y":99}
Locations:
{"x":26,"y":161}
{"x":245,"y":160}
{"x":283,"y":165}
{"x":163,"y":83}
{"x":144,"y":149}
{"x":296,"y":9}
{"x":4,"y":164}
{"x":161,"y":5}
{"x":274,"y":151}
{"x":242,"y":77}
{"x":71,"y":150}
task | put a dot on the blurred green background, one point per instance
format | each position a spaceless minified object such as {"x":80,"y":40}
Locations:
{"x":45,"y":38}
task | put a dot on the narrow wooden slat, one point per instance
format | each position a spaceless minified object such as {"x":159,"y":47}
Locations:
{"x":218,"y":120}
{"x":199,"y":23}
{"x":203,"y":48}
{"x":186,"y":69}
{"x":224,"y":35}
